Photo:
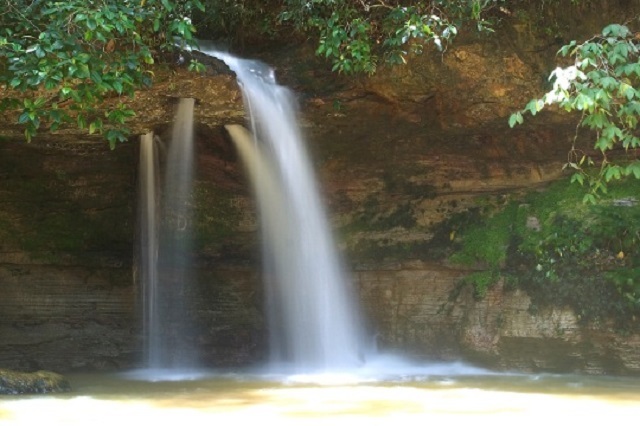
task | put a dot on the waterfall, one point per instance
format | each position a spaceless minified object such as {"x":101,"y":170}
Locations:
{"x":165,"y":243}
{"x":314,"y":320}
{"x":148,"y":235}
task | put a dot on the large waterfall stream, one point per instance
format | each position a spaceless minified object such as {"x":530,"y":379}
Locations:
{"x":314,"y":318}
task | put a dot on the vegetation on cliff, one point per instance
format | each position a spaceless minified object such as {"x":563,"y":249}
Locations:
{"x":603,"y":85}
{"x":74,"y":63}
{"x":61,"y":61}
{"x":562,"y":251}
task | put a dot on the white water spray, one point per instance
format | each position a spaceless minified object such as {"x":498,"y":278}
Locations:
{"x":314,"y":320}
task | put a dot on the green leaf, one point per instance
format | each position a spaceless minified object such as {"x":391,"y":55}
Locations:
{"x":95,"y":125}
{"x":515,"y":118}
{"x":615,"y":30}
{"x":622,"y":49}
{"x":577,"y":177}
{"x":50,"y":84}
{"x":167,"y":5}
{"x":633,"y":169}
{"x":608,"y":83}
{"x":56,"y":115}
{"x":564,"y":50}
{"x":612,"y":172}
{"x":198,"y":5}
{"x":24,"y":117}
{"x":589,"y":199}
{"x":114,"y":136}
{"x":597,"y":120}
{"x":630,"y":141}
{"x":117,"y":86}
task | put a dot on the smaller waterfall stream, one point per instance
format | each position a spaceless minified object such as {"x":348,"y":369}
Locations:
{"x":165,"y":239}
{"x":147,"y":207}
{"x":314,"y":320}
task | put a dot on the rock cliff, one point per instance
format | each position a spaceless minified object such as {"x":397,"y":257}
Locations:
{"x":397,"y":155}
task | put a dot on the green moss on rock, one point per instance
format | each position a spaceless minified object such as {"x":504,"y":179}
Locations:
{"x":562,"y":251}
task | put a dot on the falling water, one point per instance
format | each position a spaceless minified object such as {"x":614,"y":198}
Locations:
{"x":165,"y":243}
{"x":314,"y":320}
{"x":148,"y":242}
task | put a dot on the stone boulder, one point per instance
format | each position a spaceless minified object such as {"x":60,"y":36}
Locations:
{"x":15,"y":383}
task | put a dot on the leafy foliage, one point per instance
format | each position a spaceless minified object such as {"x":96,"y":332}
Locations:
{"x":485,"y":244}
{"x":563,"y":251}
{"x":487,"y":240}
{"x":63,"y":59}
{"x":481,"y":281}
{"x":603,"y":85}
{"x":239,"y":22}
{"x":357,"y":35}
{"x":59,"y":60}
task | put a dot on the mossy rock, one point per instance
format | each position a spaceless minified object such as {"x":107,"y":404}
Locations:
{"x":15,"y":383}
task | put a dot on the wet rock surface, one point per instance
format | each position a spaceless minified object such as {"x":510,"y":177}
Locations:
{"x":17,"y":383}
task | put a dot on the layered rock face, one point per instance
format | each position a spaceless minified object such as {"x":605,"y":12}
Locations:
{"x":71,"y":300}
{"x":420,"y":310}
{"x":66,"y":255}
{"x":397,"y":155}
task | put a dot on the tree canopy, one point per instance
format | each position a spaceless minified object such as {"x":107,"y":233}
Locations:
{"x":603,"y":85}
{"x":60,"y":60}
{"x":355,"y":35}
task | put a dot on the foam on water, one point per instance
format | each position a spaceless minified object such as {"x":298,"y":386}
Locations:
{"x":168,"y":374}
